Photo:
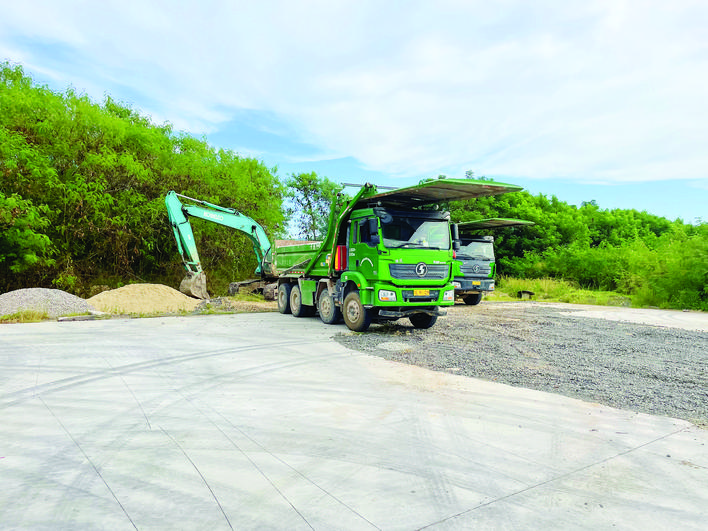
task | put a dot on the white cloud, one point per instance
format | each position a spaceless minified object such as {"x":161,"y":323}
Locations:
{"x":603,"y":90}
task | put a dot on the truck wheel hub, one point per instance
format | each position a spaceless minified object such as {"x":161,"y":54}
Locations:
{"x":326,"y":305}
{"x":353,"y":311}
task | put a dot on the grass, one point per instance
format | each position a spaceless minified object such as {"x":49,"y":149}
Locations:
{"x":247,"y":296}
{"x":24,"y":316}
{"x":554,"y":290}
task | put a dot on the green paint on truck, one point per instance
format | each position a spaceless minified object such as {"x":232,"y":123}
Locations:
{"x":386,"y":255}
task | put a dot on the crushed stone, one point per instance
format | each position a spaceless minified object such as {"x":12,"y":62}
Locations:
{"x":649,"y":369}
{"x":54,"y":302}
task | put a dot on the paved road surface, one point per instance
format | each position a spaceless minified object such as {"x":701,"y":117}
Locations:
{"x":260,"y":421}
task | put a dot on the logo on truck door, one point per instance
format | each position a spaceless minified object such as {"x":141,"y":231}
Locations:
{"x":421,"y":269}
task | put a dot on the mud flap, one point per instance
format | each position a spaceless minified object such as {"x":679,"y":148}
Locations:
{"x":194,"y":285}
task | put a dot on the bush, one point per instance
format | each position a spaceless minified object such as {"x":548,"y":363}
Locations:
{"x":82,"y":193}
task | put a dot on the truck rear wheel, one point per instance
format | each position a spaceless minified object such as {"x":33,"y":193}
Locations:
{"x":356,"y":317}
{"x":284,"y":298}
{"x":423,"y":320}
{"x":329,"y":312}
{"x":297,"y":308}
{"x":472,"y":299}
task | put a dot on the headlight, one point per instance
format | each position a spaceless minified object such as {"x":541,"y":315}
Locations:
{"x":387,"y":296}
{"x":449,"y":295}
{"x":457,"y":285}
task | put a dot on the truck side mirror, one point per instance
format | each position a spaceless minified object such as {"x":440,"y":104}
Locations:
{"x":455,"y":230}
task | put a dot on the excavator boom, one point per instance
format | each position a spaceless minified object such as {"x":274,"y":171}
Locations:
{"x":194,"y":283}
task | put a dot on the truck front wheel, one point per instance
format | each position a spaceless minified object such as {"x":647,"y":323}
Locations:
{"x":284,"y":298}
{"x":423,"y":320}
{"x":356,"y":317}
{"x":472,"y":299}
{"x":329,"y":312}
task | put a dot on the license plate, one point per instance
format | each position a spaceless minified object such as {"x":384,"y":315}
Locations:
{"x":421,"y":292}
{"x":476,"y":283}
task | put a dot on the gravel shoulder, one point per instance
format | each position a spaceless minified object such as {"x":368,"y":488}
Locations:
{"x":659,"y":370}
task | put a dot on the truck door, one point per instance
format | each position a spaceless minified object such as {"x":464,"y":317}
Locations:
{"x":363,"y":252}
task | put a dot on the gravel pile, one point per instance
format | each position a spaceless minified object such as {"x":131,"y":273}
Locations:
{"x":140,"y":299}
{"x":54,"y":302}
{"x":648,"y":369}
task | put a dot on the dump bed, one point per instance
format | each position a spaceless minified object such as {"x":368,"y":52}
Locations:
{"x":293,"y":256}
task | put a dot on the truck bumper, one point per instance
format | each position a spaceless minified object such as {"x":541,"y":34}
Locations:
{"x":468,"y":285}
{"x":397,"y":298}
{"x":407,"y":312}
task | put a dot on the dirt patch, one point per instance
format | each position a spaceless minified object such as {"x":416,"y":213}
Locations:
{"x":231,"y":305}
{"x":143,"y":299}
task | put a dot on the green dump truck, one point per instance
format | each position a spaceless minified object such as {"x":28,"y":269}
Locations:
{"x":474,"y":268}
{"x":387,"y":255}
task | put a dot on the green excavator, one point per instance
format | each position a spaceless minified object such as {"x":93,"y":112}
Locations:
{"x":194,"y":283}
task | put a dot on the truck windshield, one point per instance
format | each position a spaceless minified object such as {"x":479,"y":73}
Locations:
{"x":477,"y":251}
{"x":403,"y":232}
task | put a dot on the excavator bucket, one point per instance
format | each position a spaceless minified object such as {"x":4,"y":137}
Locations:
{"x":194,"y":285}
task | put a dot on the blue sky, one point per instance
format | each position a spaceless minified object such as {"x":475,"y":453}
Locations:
{"x":599,"y":100}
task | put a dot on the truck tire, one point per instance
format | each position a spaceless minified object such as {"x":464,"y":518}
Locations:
{"x":329,"y":312}
{"x":472,"y":299}
{"x":297,"y":308}
{"x":423,"y":320}
{"x":356,"y":317}
{"x":284,"y":298}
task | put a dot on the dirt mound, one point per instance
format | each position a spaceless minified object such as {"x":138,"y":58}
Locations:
{"x":143,"y":299}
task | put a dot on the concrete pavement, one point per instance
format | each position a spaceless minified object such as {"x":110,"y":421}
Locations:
{"x":260,"y":421}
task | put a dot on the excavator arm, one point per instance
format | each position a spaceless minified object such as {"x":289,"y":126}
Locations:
{"x":194,"y":284}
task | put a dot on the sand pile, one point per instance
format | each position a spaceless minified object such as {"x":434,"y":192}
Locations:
{"x":143,"y":299}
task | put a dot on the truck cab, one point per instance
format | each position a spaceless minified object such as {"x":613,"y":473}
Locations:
{"x":399,"y":262}
{"x":474,"y":268}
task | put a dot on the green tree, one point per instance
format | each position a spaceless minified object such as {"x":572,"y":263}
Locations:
{"x":310,"y":198}
{"x":657,"y":261}
{"x":90,"y":180}
{"x":23,"y":245}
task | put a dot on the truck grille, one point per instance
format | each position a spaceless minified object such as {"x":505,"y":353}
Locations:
{"x":482,"y":271}
{"x":407,"y":271}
